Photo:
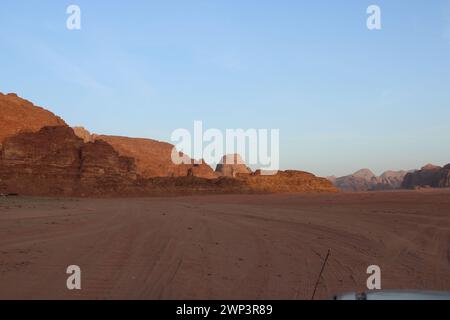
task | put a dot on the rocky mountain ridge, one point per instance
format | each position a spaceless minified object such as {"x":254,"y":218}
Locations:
{"x":366,"y":180}
{"x":41,"y":155}
{"x":429,"y":176}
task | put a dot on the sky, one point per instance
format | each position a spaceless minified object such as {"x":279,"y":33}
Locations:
{"x":343,"y":97}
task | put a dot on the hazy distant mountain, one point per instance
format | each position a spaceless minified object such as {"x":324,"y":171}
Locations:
{"x":391,"y":180}
{"x":361,"y":180}
{"x":429,"y":176}
{"x":366,"y":180}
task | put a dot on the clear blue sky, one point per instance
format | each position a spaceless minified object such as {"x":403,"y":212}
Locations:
{"x":343,"y":97}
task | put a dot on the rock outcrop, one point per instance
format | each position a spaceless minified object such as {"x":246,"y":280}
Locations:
{"x":19,"y":115}
{"x":153,"y":158}
{"x":282,"y":182}
{"x":444,"y":181}
{"x":54,"y":161}
{"x":290,"y":181}
{"x":429,"y":176}
{"x":201,"y":170}
{"x":84,"y":134}
{"x":232,"y":166}
{"x":40,"y":155}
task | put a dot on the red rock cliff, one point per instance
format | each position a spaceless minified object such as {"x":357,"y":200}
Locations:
{"x":19,"y":115}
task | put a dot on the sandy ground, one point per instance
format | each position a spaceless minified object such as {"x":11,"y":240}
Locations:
{"x":223,"y":247}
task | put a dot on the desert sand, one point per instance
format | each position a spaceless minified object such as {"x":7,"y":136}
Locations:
{"x":224,"y":246}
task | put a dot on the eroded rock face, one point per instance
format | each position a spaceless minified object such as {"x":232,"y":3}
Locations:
{"x":201,"y":170}
{"x":444,"y":181}
{"x":429,"y":176}
{"x":42,"y":163}
{"x":153,"y":158}
{"x":54,"y":161}
{"x":19,"y":115}
{"x":102,"y":168}
{"x":290,"y":181}
{"x":282,"y":182}
{"x":84,"y":134}
{"x":232,"y":165}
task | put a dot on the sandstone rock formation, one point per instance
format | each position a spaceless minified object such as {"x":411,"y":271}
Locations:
{"x":332,"y":179}
{"x":153,"y":158}
{"x":41,"y":155}
{"x":429,"y":176}
{"x":54,"y":161}
{"x":232,"y":165}
{"x":19,"y":115}
{"x":282,"y":182}
{"x":84,"y":134}
{"x":290,"y":181}
{"x":444,"y":181}
{"x":366,"y":180}
{"x":201,"y":170}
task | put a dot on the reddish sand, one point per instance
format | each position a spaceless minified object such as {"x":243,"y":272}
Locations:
{"x":223,"y":247}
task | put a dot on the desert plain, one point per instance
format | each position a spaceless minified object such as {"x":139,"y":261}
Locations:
{"x":224,"y":246}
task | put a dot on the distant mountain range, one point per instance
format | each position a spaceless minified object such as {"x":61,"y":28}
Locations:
{"x":429,"y":176}
{"x":366,"y":180}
